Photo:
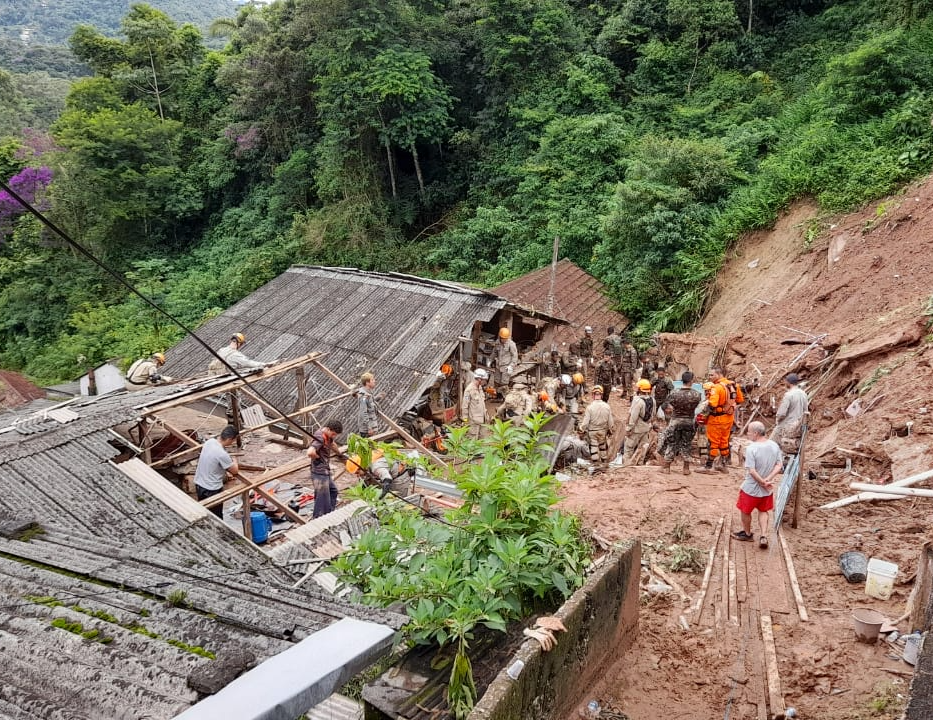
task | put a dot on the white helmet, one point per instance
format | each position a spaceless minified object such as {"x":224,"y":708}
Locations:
{"x":566,"y":380}
{"x":587,"y":329}
{"x":480,"y":374}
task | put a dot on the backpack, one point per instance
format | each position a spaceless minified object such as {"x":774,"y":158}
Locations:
{"x":649,"y":409}
{"x":734,"y":396}
{"x":615,"y":343}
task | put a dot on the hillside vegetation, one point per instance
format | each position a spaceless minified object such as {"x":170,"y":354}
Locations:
{"x":453,"y":138}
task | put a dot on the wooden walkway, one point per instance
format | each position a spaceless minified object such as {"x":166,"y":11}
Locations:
{"x":750,"y":592}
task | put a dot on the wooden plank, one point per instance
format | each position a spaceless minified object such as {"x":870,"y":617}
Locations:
{"x":179,"y":457}
{"x":302,"y":389}
{"x":145,"y":442}
{"x":725,"y":578}
{"x":279,"y":415}
{"x":392,"y":424}
{"x":775,"y":697}
{"x":237,"y":419}
{"x":222,"y":387}
{"x":247,"y":518}
{"x":741,"y":577}
{"x":289,"y":513}
{"x":175,"y":432}
{"x":697,"y":607}
{"x":801,"y":455}
{"x":733,"y":601}
{"x":273,"y":474}
{"x":795,"y":586}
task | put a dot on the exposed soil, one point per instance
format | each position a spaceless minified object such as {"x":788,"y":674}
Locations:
{"x":849,"y":311}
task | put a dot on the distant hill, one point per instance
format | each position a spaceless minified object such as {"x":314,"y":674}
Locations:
{"x":51,"y":22}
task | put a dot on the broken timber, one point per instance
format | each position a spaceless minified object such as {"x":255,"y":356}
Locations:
{"x":697,"y":607}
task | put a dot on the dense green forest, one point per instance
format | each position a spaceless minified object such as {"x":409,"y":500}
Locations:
{"x":453,"y":138}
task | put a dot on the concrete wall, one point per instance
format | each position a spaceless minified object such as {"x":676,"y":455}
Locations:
{"x":920,"y":701}
{"x":601,"y":620}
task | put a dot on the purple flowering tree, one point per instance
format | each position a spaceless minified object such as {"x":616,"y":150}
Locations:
{"x":30,"y":184}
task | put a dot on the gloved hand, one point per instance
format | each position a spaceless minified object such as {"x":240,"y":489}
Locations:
{"x":508,"y":369}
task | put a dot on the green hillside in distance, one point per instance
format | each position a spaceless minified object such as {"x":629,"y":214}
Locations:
{"x":51,"y":22}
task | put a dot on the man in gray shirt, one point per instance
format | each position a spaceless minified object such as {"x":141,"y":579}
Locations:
{"x":791,"y":412}
{"x":762,"y":466}
{"x":213,"y":465}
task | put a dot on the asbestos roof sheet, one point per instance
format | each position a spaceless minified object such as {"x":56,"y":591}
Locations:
{"x":102,"y":536}
{"x":400,"y":327}
{"x":578,"y":296}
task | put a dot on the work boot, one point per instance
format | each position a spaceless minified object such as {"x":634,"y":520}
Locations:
{"x":686,"y":467}
{"x":666,"y":467}
{"x":707,"y":468}
{"x":722,"y":465}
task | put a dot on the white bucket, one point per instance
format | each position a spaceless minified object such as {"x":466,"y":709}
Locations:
{"x":880,"y":580}
{"x":912,"y":648}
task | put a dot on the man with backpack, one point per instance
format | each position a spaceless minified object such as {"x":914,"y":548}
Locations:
{"x":612,"y":349}
{"x":640,"y":417}
{"x":627,"y":362}
{"x":723,"y":396}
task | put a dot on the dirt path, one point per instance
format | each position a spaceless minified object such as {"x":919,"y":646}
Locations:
{"x":717,"y":667}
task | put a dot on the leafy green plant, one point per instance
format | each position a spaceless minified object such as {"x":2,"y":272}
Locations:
{"x":177,"y":598}
{"x":686,"y":558}
{"x":497,"y":558}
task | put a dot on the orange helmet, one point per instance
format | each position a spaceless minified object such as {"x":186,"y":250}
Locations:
{"x":543,"y":396}
{"x":644,"y":385}
{"x":446,"y":369}
{"x":505,"y":333}
{"x":578,"y":379}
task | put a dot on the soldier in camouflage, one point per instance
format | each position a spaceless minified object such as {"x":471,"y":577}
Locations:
{"x":627,"y":362}
{"x":682,"y":428}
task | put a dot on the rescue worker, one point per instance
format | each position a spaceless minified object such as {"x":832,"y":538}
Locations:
{"x":321,"y":449}
{"x":612,"y":349}
{"x":640,"y":417}
{"x":596,"y":426}
{"x":662,"y":386}
{"x":723,"y":397}
{"x":505,"y":357}
{"x":790,"y":414}
{"x":473,"y":405}
{"x":574,"y":392}
{"x":684,"y":402}
{"x":604,"y":373}
{"x":518,"y":403}
{"x":366,"y":405}
{"x":551,"y":366}
{"x":145,"y":372}
{"x":585,"y":346}
{"x":627,"y":362}
{"x":570,"y":361}
{"x":545,"y":404}
{"x":233,"y":357}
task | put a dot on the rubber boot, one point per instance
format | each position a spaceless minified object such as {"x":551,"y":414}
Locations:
{"x":686,"y":467}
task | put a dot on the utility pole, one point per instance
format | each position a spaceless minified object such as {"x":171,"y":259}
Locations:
{"x":550,"y":292}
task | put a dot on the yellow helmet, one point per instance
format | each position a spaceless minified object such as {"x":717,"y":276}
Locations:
{"x":598,"y":389}
{"x":505,"y":333}
{"x":239,"y":337}
{"x":644,"y":385}
{"x":578,"y":379}
{"x":159,"y":358}
{"x":707,"y":386}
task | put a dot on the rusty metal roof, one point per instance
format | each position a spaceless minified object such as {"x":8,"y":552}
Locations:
{"x":578,"y":296}
{"x":400,"y":327}
{"x":103,"y":552}
{"x":16,"y":390}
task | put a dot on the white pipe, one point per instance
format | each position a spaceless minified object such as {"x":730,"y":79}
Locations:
{"x":874,"y":494}
{"x":887,"y":490}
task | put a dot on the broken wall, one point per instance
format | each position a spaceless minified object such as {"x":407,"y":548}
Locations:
{"x":601,"y":620}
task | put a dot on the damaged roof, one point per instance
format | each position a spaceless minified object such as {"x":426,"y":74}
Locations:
{"x":16,"y":390}
{"x":400,"y":327}
{"x":88,"y":557}
{"x":578,"y":296}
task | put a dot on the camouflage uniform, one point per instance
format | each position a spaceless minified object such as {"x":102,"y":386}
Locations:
{"x":682,"y":427}
{"x":551,"y":365}
{"x":518,"y":404}
{"x":612,"y":349}
{"x":604,"y":373}
{"x":661,"y":389}
{"x":585,"y":347}
{"x":627,"y":362}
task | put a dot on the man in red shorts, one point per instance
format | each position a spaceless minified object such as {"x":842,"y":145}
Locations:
{"x":763,"y":463}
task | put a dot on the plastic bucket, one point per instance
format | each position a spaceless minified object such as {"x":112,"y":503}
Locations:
{"x":880,"y":581}
{"x":260,"y":525}
{"x":912,"y":648}
{"x":867,"y":623}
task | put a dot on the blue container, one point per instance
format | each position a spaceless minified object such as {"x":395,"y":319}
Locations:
{"x":261,"y":526}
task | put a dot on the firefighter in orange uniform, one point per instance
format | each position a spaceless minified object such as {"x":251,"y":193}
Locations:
{"x":722,"y":399}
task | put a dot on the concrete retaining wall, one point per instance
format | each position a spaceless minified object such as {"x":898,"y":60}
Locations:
{"x":920,"y":701}
{"x":601,"y":620}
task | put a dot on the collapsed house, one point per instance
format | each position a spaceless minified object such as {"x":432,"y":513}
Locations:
{"x":125,"y":598}
{"x":412,"y":333}
{"x":568,"y":291}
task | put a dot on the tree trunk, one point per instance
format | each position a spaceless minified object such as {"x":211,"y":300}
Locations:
{"x":414,"y":154}
{"x":155,"y":83}
{"x":391,"y":160}
{"x":751,"y":7}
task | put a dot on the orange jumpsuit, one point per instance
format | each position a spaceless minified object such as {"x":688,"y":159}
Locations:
{"x":719,"y":424}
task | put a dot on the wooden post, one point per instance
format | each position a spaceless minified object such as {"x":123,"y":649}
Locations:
{"x":247,"y":520}
{"x":302,"y":401}
{"x":237,"y":421}
{"x":145,"y":442}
